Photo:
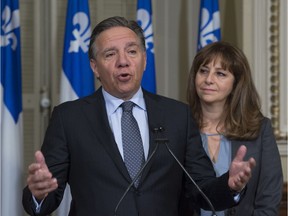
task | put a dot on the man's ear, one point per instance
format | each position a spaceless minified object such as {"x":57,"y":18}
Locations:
{"x":145,"y":60}
{"x":93,"y":66}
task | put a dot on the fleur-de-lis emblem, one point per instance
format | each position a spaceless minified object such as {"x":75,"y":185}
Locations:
{"x":11,"y":22}
{"x":82,"y":35}
{"x":146,"y":24}
{"x":209,"y":24}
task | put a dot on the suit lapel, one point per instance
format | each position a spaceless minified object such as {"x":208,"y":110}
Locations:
{"x":236,"y":145}
{"x":155,"y":120}
{"x":96,"y":114}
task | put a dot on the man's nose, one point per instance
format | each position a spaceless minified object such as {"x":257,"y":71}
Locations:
{"x":123,"y":60}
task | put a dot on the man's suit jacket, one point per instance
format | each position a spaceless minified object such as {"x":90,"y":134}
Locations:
{"x":264,"y":190}
{"x":80,"y":149}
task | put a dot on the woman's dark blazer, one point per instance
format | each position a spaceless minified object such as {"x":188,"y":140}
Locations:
{"x":80,"y":149}
{"x":264,"y":190}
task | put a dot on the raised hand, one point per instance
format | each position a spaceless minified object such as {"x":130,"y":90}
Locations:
{"x":40,"y":181}
{"x":240,"y":171}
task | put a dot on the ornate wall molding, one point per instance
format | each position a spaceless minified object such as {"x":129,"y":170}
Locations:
{"x":275,"y":70}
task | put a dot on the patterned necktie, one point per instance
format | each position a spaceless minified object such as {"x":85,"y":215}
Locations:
{"x":132,"y":142}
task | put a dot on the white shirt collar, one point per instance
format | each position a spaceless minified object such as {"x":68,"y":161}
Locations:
{"x":112,"y":103}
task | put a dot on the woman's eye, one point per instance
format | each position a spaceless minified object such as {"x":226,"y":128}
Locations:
{"x":202,"y":70}
{"x":219,"y":73}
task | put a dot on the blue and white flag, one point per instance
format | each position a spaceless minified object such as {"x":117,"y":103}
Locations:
{"x":11,"y":129}
{"x":77,"y":78}
{"x":144,"y":19}
{"x":209,"y":23}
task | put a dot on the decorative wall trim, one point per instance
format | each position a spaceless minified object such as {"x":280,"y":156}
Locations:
{"x":274,"y":69}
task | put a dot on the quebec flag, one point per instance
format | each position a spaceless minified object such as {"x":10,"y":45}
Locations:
{"x":11,"y":129}
{"x":209,"y":23}
{"x":144,"y":19}
{"x":77,"y":79}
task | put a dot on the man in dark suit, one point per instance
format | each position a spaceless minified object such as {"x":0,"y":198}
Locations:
{"x":83,"y":145}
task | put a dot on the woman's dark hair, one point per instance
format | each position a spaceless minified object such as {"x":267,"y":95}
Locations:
{"x":242,"y":116}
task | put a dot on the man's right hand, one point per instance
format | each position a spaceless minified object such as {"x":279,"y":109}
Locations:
{"x":40,"y":180}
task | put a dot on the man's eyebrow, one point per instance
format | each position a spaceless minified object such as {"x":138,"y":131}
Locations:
{"x":109,"y":49}
{"x":132,"y":44}
{"x":114,"y":48}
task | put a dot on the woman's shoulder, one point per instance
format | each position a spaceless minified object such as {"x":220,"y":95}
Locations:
{"x":266,"y":123}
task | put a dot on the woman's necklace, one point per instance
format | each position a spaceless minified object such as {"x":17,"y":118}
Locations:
{"x":213,"y":142}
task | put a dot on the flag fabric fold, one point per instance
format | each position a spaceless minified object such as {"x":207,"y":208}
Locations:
{"x":11,"y":128}
{"x":144,"y":19}
{"x":209,"y":23}
{"x":77,"y":78}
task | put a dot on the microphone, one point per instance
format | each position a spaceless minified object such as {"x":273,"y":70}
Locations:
{"x":155,"y":130}
{"x":165,"y":141}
